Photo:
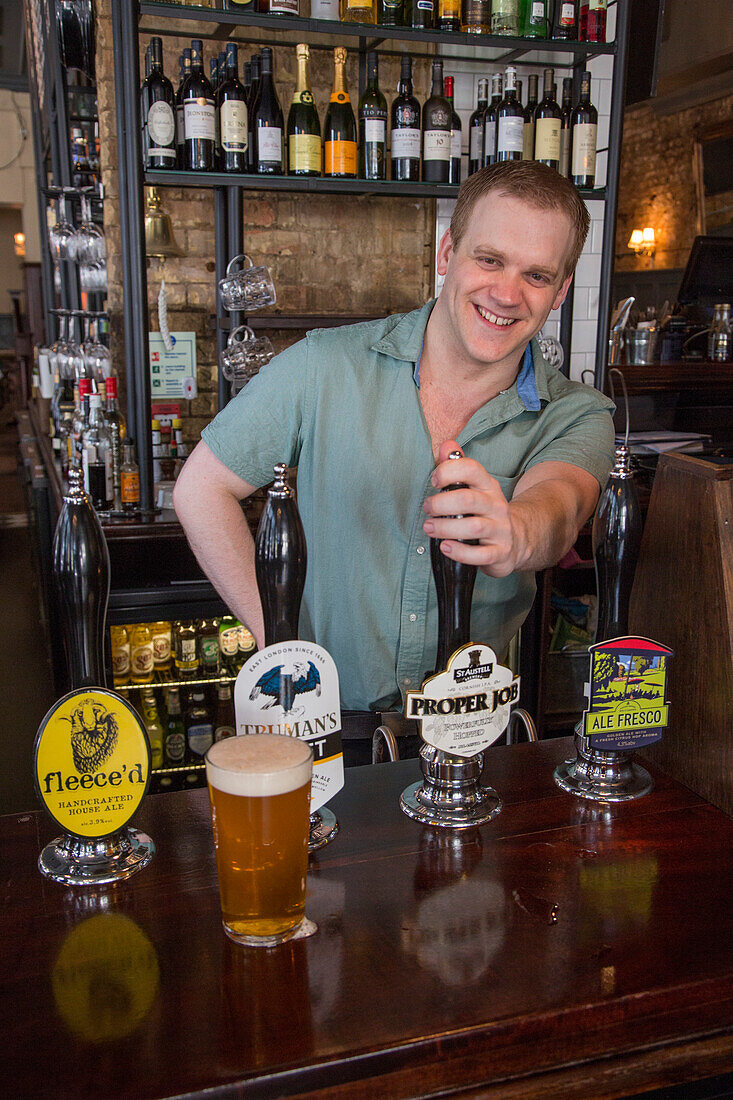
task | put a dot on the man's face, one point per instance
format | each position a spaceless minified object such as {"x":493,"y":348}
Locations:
{"x":504,"y":277}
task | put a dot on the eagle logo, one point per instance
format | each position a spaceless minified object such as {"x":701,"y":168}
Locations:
{"x":94,"y":732}
{"x":283,"y":683}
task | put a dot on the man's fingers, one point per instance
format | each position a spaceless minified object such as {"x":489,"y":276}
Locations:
{"x":490,"y":557}
{"x":467,"y":527}
{"x":467,"y":470}
{"x":465,"y":502}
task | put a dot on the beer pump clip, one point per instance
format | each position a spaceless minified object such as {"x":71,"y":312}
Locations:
{"x":92,"y":755}
{"x":291,"y":687}
{"x":463,"y":708}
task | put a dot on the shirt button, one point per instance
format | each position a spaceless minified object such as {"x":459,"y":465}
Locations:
{"x":407,"y":680}
{"x":413,"y":618}
{"x":421,"y":549}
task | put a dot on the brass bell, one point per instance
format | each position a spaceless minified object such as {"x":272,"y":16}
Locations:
{"x":159,"y":239}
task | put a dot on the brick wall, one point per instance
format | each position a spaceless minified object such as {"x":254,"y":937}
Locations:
{"x":657,"y":181}
{"x":327,"y":254}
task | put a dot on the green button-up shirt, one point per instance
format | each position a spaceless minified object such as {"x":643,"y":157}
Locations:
{"x":343,"y":406}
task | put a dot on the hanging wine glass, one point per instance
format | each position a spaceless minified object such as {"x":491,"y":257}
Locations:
{"x":96,"y":354}
{"x":62,"y":235}
{"x":81,"y":370}
{"x":90,"y":243}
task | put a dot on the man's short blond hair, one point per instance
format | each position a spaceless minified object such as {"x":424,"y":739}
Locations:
{"x":533,"y":183}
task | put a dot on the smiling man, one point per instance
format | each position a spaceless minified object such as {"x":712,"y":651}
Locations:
{"x":369,"y":413}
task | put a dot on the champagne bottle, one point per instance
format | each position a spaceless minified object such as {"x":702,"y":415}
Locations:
{"x":476,"y":17}
{"x":436,"y":130}
{"x":372,"y":126}
{"x":180,"y":121}
{"x":584,"y":137}
{"x":158,"y":112}
{"x":405,"y":124}
{"x":358,"y":11}
{"x":565,"y":131}
{"x":510,"y":128}
{"x":304,"y":128}
{"x":81,"y":576}
{"x":491,"y":120}
{"x":547,"y":123}
{"x":528,"y":147}
{"x":199,"y":115}
{"x":564,"y":23}
{"x":449,"y":16}
{"x":455,"y":134}
{"x":339,"y":132}
{"x":267,"y":122}
{"x":476,"y":128}
{"x":231,"y":100}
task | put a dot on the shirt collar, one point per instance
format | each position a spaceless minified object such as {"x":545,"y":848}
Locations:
{"x":405,"y":342}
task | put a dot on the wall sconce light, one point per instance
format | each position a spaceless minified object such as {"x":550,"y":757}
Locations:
{"x":19,"y":245}
{"x":643,"y":242}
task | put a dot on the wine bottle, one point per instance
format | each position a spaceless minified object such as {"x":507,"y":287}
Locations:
{"x":528,"y":147}
{"x":564,"y":23}
{"x":372,"y":126}
{"x":304,"y":128}
{"x":180,"y":122}
{"x":339,"y":132}
{"x":158,"y":112}
{"x":535,"y":19}
{"x":456,"y":134}
{"x":592,"y":22}
{"x":267,"y":122}
{"x":325,"y":9}
{"x":247,"y":82}
{"x":358,"y":11}
{"x":449,"y":16}
{"x":392,"y":13}
{"x":214,"y":82}
{"x":405,"y":124}
{"x":547,"y":122}
{"x":254,"y":94}
{"x":505,"y":17}
{"x":422,"y":14}
{"x":584,"y":137}
{"x":565,"y":133}
{"x":284,"y":7}
{"x":232,"y":104}
{"x":436,"y":131}
{"x":214,"y":74}
{"x":198,"y":115}
{"x":476,"y":128}
{"x":491,"y":119}
{"x":476,"y":16}
{"x":510,"y":128}
{"x":81,"y":577}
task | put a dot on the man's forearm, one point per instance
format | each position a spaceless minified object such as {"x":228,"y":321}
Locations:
{"x":224,"y":552}
{"x":546,"y":520}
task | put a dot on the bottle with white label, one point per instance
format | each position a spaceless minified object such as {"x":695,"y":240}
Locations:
{"x":372,"y":126}
{"x":456,"y":134}
{"x":584,"y":136}
{"x":267,"y":122}
{"x":304,"y":127}
{"x":405,"y":125}
{"x":565,"y":21}
{"x":436,"y":131}
{"x":96,"y":444}
{"x":199,"y":115}
{"x":325,"y":9}
{"x":232,"y":111}
{"x":547,"y":125}
{"x":199,"y":727}
{"x":510,"y":128}
{"x":491,"y":119}
{"x":476,"y":128}
{"x":535,"y":19}
{"x":158,"y":112}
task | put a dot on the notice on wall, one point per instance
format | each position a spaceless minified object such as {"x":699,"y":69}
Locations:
{"x":173,"y":373}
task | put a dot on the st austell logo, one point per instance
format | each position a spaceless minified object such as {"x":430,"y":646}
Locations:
{"x":94,"y":733}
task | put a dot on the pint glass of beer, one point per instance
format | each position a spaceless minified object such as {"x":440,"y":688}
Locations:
{"x":259,"y":786}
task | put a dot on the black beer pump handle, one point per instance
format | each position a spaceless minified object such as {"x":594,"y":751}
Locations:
{"x":617,"y":528}
{"x":454,"y":583}
{"x":280,"y":560}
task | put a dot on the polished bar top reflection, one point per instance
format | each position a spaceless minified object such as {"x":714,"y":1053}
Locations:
{"x":565,"y":946}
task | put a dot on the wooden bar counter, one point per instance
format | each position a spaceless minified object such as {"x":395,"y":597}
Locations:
{"x":564,"y":949}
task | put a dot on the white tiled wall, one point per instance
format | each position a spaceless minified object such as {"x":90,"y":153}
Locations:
{"x":585,"y":302}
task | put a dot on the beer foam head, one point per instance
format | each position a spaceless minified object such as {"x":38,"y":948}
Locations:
{"x":259,"y":765}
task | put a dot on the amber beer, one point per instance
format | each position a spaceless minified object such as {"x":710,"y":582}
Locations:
{"x":259,"y":786}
